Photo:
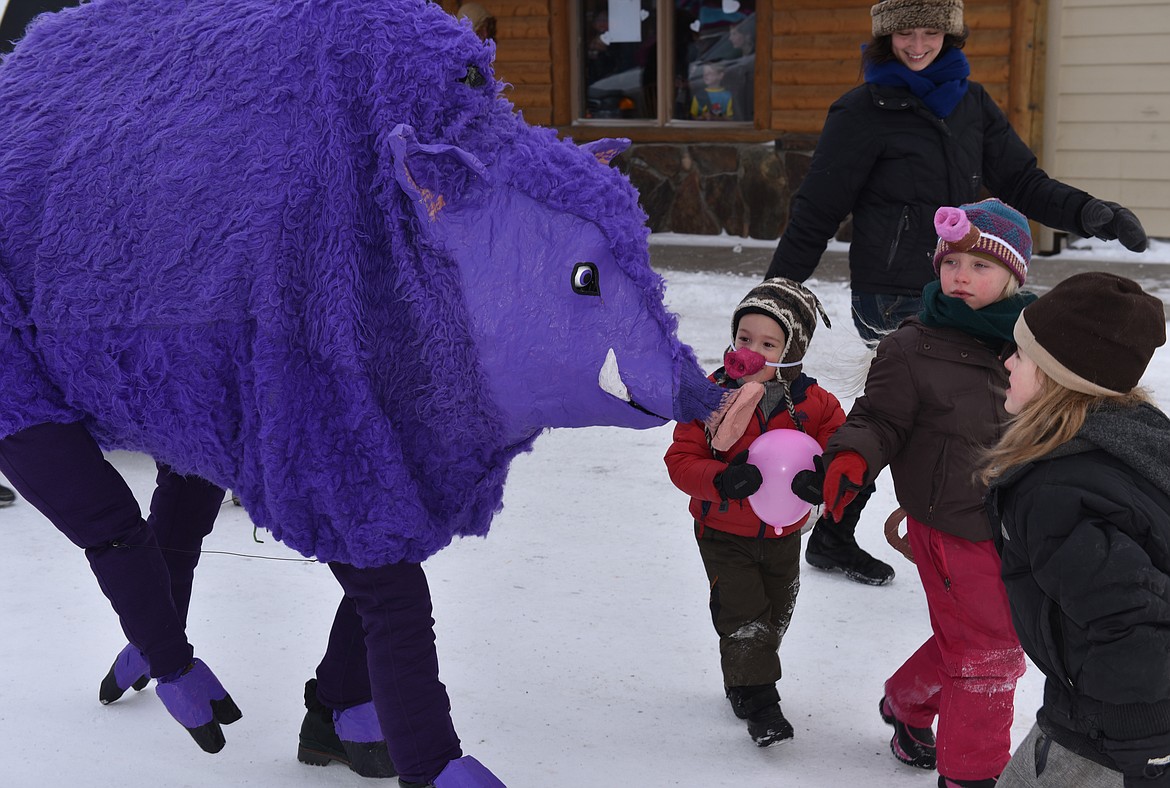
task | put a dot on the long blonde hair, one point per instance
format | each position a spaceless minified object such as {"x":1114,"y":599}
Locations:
{"x":1052,"y":418}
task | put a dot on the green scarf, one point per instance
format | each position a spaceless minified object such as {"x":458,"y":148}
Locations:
{"x":992,"y":324}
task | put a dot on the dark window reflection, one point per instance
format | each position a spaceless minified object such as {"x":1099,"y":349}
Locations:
{"x":713,"y":43}
{"x":715,"y":46}
{"x":621,"y":58}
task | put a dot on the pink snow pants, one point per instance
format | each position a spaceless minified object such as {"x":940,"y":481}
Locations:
{"x":966,"y":673}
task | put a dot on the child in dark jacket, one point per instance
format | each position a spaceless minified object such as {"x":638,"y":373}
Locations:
{"x":1080,"y":504}
{"x":754,"y":568}
{"x":933,"y":402}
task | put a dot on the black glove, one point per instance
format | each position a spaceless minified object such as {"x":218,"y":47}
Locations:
{"x":1110,"y":221}
{"x":809,"y":486}
{"x":739,"y":479}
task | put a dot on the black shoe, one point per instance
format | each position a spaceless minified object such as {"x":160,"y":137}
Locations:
{"x":950,"y":782}
{"x":839,"y":552}
{"x":912,"y":746}
{"x":753,"y":697}
{"x":767,"y":726}
{"x":320,"y":745}
{"x":759,"y":704}
{"x":7,"y":496}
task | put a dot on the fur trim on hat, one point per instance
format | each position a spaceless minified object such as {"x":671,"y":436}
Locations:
{"x":891,"y":16}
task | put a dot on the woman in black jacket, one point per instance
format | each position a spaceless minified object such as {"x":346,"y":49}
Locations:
{"x":916,"y":136}
{"x":1080,"y":503}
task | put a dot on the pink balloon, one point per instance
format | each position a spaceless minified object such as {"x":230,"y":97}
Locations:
{"x":780,"y":455}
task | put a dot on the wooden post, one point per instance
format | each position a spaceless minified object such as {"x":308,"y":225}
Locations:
{"x":1027,"y":58}
{"x":561,"y":40}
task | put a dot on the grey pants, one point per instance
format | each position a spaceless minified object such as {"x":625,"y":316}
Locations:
{"x":1058,"y":767}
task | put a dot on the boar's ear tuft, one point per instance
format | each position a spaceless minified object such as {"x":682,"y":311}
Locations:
{"x":606,"y":149}
{"x":435,"y":177}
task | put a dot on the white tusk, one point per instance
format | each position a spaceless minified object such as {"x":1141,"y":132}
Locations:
{"x":610,"y":378}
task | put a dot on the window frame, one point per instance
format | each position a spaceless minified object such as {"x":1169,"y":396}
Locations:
{"x":666,"y":58}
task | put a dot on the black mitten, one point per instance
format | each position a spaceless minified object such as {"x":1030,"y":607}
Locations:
{"x":739,"y":479}
{"x":809,"y":485}
{"x":1110,"y":221}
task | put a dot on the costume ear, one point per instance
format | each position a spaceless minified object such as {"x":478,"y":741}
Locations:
{"x":607,"y":149}
{"x":437,"y":178}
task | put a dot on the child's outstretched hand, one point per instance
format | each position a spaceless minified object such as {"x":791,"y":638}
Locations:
{"x":844,"y":478}
{"x":739,"y":479}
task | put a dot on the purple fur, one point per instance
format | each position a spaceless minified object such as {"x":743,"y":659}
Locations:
{"x":207,"y":254}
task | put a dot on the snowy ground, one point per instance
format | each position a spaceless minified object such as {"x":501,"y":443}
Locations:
{"x":575,"y":640}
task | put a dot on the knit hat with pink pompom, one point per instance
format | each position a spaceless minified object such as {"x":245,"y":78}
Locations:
{"x":990,"y":229}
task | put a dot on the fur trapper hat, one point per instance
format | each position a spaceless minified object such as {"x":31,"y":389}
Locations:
{"x":794,"y":307}
{"x":893,"y":15}
{"x":1094,"y":333}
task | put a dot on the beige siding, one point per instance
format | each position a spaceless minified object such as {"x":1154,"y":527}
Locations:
{"x":1107,"y":103}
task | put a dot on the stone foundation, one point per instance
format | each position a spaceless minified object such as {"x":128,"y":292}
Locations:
{"x":712,"y":188}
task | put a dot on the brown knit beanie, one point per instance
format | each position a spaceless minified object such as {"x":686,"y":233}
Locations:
{"x":1094,"y":333}
{"x":891,"y":16}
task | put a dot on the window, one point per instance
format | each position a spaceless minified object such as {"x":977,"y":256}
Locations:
{"x":705,"y":73}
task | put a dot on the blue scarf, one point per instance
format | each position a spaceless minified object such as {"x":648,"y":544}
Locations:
{"x":940,"y":85}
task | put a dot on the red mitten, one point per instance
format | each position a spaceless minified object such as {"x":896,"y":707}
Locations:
{"x":844,"y":478}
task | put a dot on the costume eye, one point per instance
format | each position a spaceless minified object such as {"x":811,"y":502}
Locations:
{"x":473,"y":78}
{"x":585,"y":280}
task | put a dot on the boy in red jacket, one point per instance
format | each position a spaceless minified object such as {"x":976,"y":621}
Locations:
{"x":754,"y":568}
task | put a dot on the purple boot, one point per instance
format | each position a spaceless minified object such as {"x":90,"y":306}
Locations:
{"x":128,"y":671}
{"x":199,"y":702}
{"x":466,"y":772}
{"x":350,"y":737}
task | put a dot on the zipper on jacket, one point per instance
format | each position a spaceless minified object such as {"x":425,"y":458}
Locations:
{"x":903,"y":224}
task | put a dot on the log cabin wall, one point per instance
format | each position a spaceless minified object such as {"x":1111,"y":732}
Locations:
{"x":740,"y":179}
{"x":524,"y":52}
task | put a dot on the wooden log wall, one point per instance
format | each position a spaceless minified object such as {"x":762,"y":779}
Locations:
{"x":524,"y":30}
{"x":815,"y":55}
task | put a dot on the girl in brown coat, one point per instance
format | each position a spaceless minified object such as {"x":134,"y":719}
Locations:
{"x":933,"y":399}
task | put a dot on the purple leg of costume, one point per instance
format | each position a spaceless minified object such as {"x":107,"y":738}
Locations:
{"x":182,"y":513}
{"x":343,"y":677}
{"x":394,"y":606}
{"x":60,"y":470}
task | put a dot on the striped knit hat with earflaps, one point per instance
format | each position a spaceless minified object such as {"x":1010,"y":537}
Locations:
{"x":794,"y":307}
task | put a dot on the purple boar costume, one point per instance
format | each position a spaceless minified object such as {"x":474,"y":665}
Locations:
{"x":302,"y":249}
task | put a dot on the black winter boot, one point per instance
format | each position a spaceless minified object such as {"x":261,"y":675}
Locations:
{"x":912,"y":746}
{"x":7,"y":496}
{"x":320,"y":745}
{"x":833,"y":547}
{"x":950,"y":782}
{"x":760,"y":706}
